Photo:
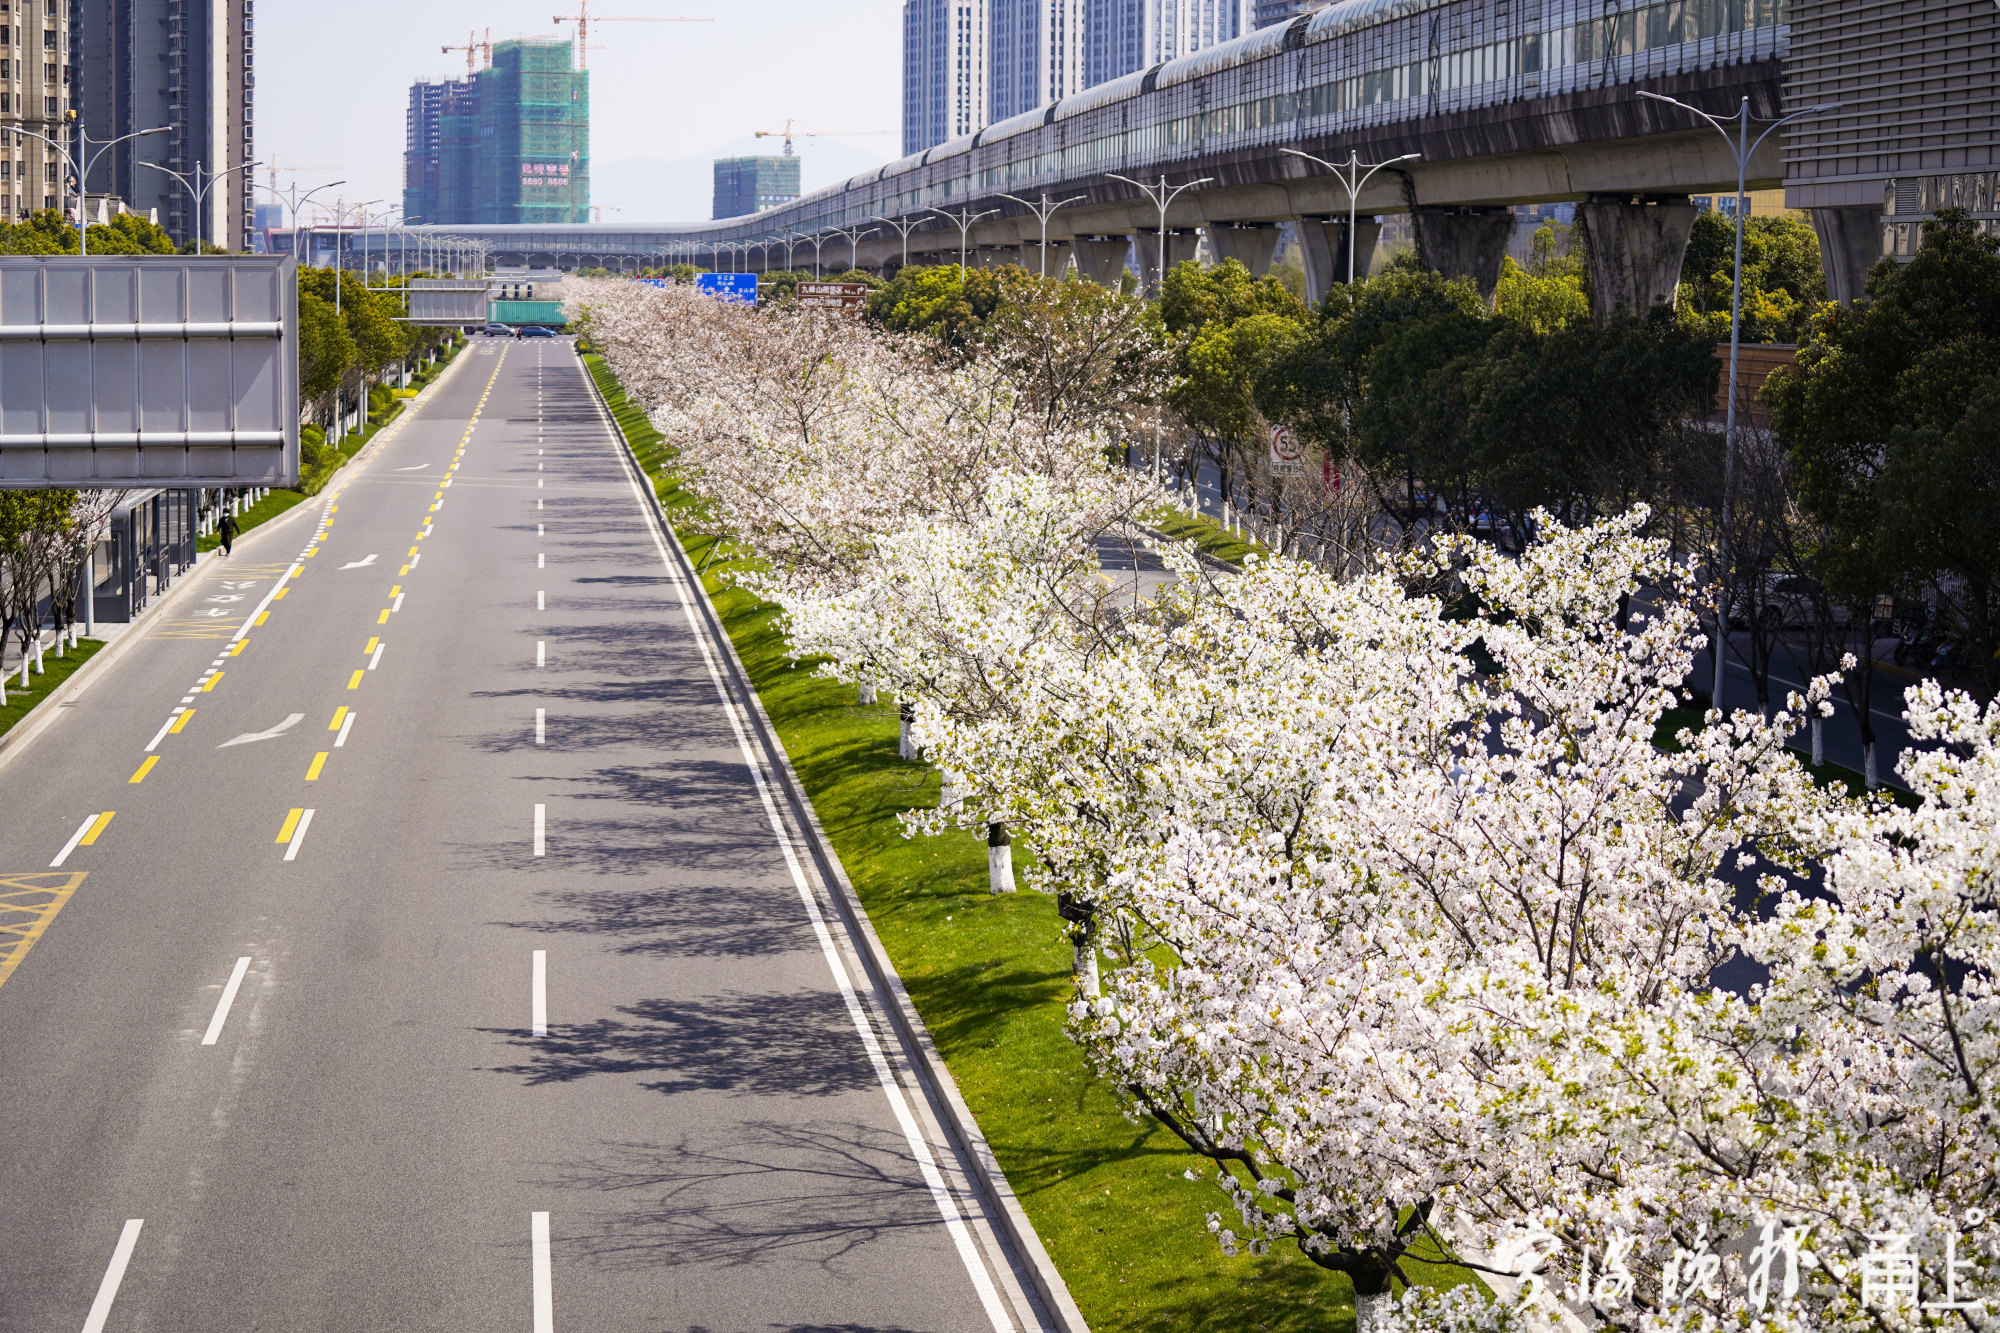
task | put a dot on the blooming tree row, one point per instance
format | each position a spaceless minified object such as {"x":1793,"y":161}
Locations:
{"x":1387,"y":898}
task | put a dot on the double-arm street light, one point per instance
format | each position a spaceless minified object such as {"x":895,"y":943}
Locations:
{"x":1735,"y":131}
{"x":1352,"y":182}
{"x":905,"y":228}
{"x":963,"y":219}
{"x":1041,"y":212}
{"x":83,"y":176}
{"x":199,"y":187}
{"x":1161,"y":196}
{"x":853,"y":235}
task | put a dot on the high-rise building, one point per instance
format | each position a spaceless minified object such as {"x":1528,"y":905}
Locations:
{"x":746,"y":185}
{"x":944,"y":70}
{"x":512,"y":144}
{"x":35,"y":92}
{"x":186,"y":65}
{"x":1035,"y":51}
{"x":1121,"y":36}
{"x":422,"y":124}
{"x":1268,"y":13}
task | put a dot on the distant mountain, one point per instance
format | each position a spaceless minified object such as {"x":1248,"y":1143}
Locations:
{"x":655,"y":189}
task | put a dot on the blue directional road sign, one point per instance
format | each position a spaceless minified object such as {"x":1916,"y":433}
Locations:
{"x":741,"y":287}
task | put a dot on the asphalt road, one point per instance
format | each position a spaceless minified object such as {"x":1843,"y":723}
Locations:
{"x":435,"y":962}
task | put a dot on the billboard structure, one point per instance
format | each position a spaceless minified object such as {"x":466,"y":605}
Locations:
{"x":148,"y":370}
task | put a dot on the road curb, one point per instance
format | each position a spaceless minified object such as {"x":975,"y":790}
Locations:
{"x":44,"y":714}
{"x":958,"y":1120}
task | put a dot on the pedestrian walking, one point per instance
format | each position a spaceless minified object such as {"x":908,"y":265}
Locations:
{"x":227,"y":531}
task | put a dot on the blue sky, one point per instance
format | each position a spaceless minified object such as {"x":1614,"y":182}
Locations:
{"x":332,"y":80}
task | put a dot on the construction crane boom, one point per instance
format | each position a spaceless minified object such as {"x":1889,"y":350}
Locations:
{"x":583,"y":17}
{"x":473,"y":46}
{"x":788,"y":134}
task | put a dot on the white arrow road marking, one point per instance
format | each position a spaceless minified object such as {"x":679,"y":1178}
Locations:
{"x":291,"y":720}
{"x":358,"y":564}
{"x":418,"y":468}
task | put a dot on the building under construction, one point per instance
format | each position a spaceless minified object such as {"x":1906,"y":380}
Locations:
{"x":511,"y":144}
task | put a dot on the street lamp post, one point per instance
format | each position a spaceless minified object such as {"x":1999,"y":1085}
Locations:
{"x":853,"y":235}
{"x":83,"y":176}
{"x":1352,"y":183}
{"x":905,"y":228}
{"x":298,"y":202}
{"x":1743,"y":147}
{"x":964,"y":219}
{"x":1041,"y":212}
{"x":818,"y":239}
{"x":1161,"y":196}
{"x":199,"y":189}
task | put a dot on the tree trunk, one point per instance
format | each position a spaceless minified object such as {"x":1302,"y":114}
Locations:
{"x":1372,"y":1310}
{"x":999,"y":859}
{"x":866,"y":692}
{"x":1084,"y":968}
{"x":1818,"y":742}
{"x":906,"y":747}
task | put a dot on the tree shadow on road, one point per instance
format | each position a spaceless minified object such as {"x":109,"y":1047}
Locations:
{"x":796,"y":1044}
{"x":707,"y":920}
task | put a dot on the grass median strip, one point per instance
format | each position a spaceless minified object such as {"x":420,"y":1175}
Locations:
{"x":20,"y":701}
{"x":990,"y":975}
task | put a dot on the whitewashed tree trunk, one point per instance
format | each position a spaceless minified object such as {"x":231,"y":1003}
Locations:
{"x":1372,"y":1311}
{"x":949,"y":793}
{"x":41,"y":667}
{"x":999,"y":859}
{"x":906,"y":746}
{"x":1818,"y":743}
{"x":866,"y":692}
{"x":1085,"y":969}
{"x":1868,"y":766}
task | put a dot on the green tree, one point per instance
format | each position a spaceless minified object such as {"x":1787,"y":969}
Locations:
{"x":1889,"y":418}
{"x":1542,"y":302}
{"x":130,"y":234}
{"x":46,"y":232}
{"x":1195,"y":297}
{"x":937,"y":301}
{"x":1783,"y":281}
{"x":326,"y":349}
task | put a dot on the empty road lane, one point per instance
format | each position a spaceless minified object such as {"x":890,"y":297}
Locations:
{"x":402,"y":936}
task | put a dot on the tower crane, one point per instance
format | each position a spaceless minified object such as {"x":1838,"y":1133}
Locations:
{"x":788,"y":134}
{"x":583,"y":17}
{"x":473,"y":46}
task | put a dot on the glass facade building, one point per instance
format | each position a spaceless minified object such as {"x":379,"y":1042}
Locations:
{"x":745,"y":185}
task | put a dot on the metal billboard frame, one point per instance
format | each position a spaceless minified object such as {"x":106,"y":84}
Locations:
{"x":130,"y":371}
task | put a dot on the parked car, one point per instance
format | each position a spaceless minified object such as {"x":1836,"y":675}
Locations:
{"x":498,"y":331}
{"x":534,"y":331}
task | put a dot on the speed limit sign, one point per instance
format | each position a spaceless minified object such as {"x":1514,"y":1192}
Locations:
{"x":1287,"y":455}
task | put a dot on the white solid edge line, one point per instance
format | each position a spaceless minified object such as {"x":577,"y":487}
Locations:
{"x":538,"y":993}
{"x":540,"y":718}
{"x":541,"y":824}
{"x":74,"y":839}
{"x":208,"y":1038}
{"x":298,"y":835}
{"x":543,"y":1283}
{"x":920,"y":1148}
{"x":114,"y":1274}
{"x":251,"y":619}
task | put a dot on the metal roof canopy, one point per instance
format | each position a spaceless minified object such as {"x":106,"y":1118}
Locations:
{"x":148,"y":370}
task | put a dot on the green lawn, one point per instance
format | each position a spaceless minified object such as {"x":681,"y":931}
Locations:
{"x":990,"y":975}
{"x":20,"y":701}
